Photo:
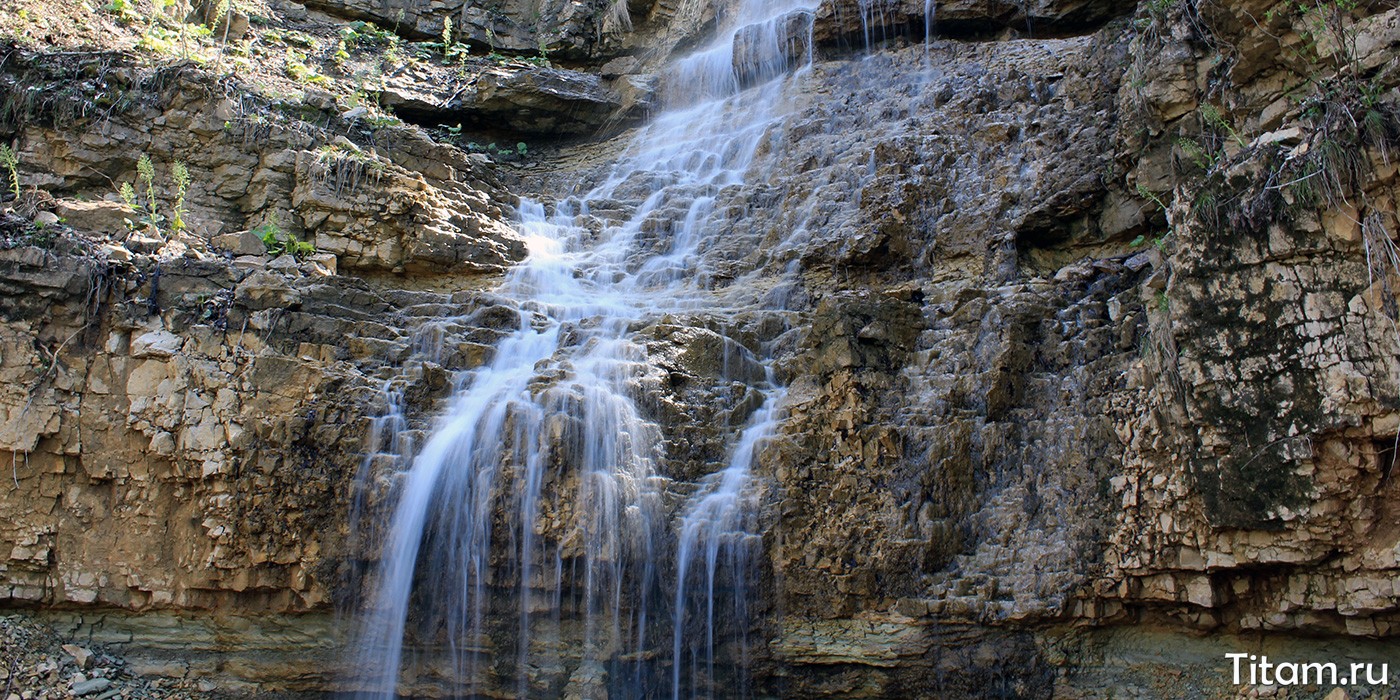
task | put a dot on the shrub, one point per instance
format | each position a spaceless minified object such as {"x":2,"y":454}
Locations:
{"x":146,"y":172}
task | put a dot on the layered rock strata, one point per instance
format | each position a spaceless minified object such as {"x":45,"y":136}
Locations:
{"x":1077,"y":368}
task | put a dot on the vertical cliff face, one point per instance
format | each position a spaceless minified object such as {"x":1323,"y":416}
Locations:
{"x":1192,"y":430}
{"x":1085,"y":317}
{"x":1274,"y":336}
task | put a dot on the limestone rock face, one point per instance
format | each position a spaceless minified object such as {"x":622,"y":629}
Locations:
{"x":1075,"y":371}
{"x":250,"y":169}
{"x":148,"y":428}
{"x":541,"y":101}
{"x":575,"y":30}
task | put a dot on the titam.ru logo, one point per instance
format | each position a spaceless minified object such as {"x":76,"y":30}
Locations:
{"x":1257,"y":669}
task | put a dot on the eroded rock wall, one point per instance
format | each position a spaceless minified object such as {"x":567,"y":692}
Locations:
{"x":396,"y":201}
{"x":1197,"y":431}
{"x":1074,"y":365}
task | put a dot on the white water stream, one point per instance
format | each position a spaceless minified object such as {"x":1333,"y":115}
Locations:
{"x":560,"y":395}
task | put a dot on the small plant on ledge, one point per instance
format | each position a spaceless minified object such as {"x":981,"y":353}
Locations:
{"x":181,"y":175}
{"x":10,"y":161}
{"x":150,"y":217}
{"x":279,"y":242}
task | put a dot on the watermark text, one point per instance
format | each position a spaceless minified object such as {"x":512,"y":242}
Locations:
{"x":1257,"y":669}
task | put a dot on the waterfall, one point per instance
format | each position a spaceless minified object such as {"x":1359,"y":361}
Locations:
{"x":551,"y":428}
{"x":716,"y":538}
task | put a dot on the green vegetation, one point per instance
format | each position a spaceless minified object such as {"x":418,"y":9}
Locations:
{"x":345,"y":167}
{"x":149,"y":210}
{"x":146,"y":171}
{"x":1345,"y":110}
{"x":450,"y":49}
{"x":1324,"y":28}
{"x":1160,"y":240}
{"x":542,"y":59}
{"x":363,"y":35}
{"x":1197,"y":154}
{"x":381,"y":121}
{"x":1157,"y":13}
{"x":521,"y":149}
{"x":1349,"y":122}
{"x":495,"y":55}
{"x":164,"y":31}
{"x":128,"y":195}
{"x":181,"y":176}
{"x":124,"y":11}
{"x":9,"y":160}
{"x":297,"y":69}
{"x":290,"y":37}
{"x":279,"y":242}
{"x":1211,"y":116}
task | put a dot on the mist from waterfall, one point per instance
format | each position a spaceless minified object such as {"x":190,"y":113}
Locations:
{"x":550,"y":428}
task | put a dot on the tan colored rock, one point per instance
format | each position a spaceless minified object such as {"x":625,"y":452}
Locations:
{"x":240,"y":243}
{"x":82,"y":657}
{"x":97,"y":216}
{"x":266,"y":290}
{"x":156,"y":344}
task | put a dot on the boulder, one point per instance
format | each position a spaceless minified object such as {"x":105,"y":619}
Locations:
{"x":91,"y":687}
{"x":240,"y":243}
{"x":96,"y":216}
{"x":266,"y":290}
{"x":82,"y":657}
{"x":285,"y":264}
{"x":156,"y":344}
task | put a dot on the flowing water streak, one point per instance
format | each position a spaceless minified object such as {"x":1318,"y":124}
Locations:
{"x":930,"y":7}
{"x":387,"y":441}
{"x":719,"y":521}
{"x":559,"y":393}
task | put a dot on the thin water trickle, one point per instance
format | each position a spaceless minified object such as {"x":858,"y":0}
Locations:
{"x":717,"y":536}
{"x":550,"y":426}
{"x":930,"y":7}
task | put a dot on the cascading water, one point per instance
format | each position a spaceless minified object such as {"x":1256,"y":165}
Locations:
{"x":716,"y":538}
{"x":560,"y":397}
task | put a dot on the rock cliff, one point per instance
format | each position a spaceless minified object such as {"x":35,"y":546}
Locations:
{"x":1086,"y":312}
